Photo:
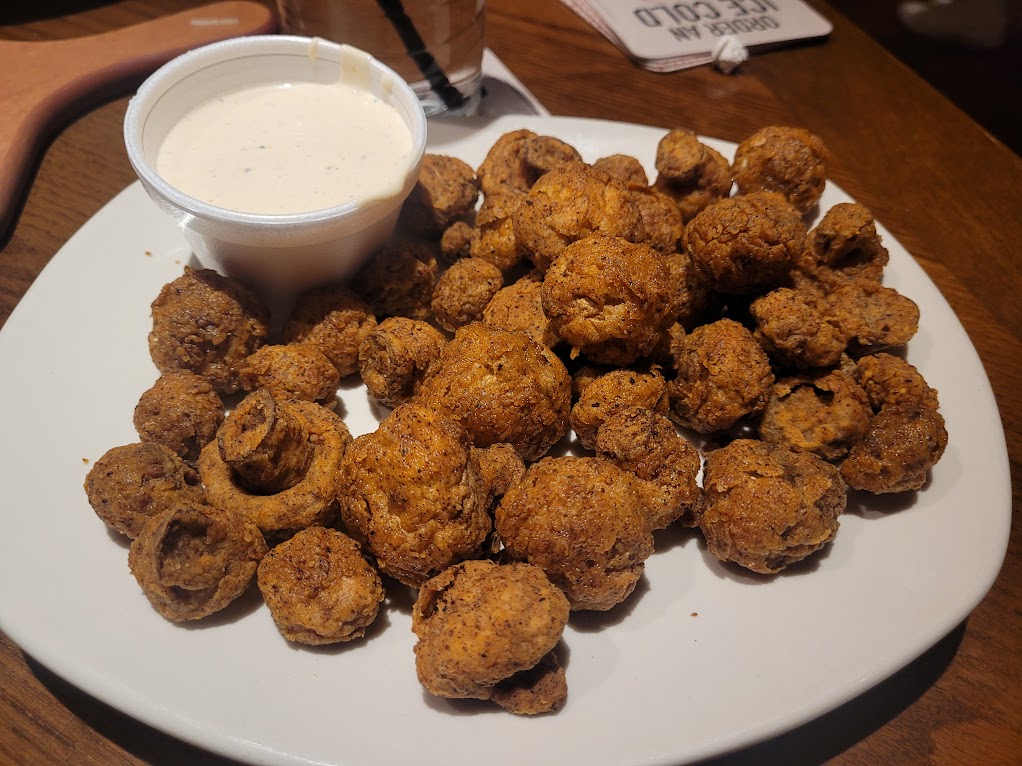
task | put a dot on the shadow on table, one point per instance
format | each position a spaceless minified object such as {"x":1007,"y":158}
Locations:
{"x":813,"y":743}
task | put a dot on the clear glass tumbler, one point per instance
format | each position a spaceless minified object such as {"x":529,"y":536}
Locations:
{"x":435,"y":45}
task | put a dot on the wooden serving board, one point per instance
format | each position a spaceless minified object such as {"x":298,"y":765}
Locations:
{"x":45,"y":83}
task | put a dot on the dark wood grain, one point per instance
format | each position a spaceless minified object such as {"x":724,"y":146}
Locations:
{"x":945,"y":188}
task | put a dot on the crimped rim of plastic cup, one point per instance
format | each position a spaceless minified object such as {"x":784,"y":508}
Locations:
{"x":170,"y":73}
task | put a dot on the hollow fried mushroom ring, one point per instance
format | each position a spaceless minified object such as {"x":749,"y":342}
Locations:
{"x":310,"y":501}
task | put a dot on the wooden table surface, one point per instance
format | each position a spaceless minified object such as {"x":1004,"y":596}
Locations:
{"x":946,"y":189}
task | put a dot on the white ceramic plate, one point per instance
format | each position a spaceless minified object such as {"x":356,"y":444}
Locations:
{"x":649,"y":683}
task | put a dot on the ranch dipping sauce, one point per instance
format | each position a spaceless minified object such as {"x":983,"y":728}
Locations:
{"x":289,"y":148}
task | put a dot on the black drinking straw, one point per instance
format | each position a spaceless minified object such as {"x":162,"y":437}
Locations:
{"x":416,"y":49}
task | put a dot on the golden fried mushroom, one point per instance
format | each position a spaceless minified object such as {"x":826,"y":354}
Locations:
{"x":319,"y":588}
{"x":192,"y":560}
{"x":545,"y":153}
{"x":334,"y":320}
{"x":571,"y":203}
{"x":130,"y":484}
{"x":503,"y":387}
{"x":208,"y":324}
{"x":462,"y":292}
{"x":584,"y":522}
{"x":494,"y":237}
{"x":399,"y":279}
{"x":765,"y":507}
{"x":798,"y":327}
{"x":747,"y":244}
{"x":609,"y":299}
{"x":397,"y":356}
{"x":615,"y":389}
{"x":691,"y":296}
{"x":291,"y":371}
{"x":456,"y":241}
{"x":623,"y":168}
{"x":873,"y":317}
{"x":500,"y":466}
{"x":903,"y":443}
{"x":504,"y":168}
{"x":274,"y":462}
{"x":181,"y":411}
{"x":822,"y":412}
{"x":690,"y":173}
{"x":647,"y":445}
{"x":662,"y":227}
{"x":844,"y":245}
{"x":789,"y":161}
{"x":890,"y":380}
{"x":722,"y":376}
{"x":482,"y":630}
{"x":446,"y":191}
{"x":412,"y":494}
{"x":519,"y":308}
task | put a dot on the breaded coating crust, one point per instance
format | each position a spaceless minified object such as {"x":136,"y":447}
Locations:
{"x":691,"y":296}
{"x":192,"y":560}
{"x":500,"y":466}
{"x":480,"y":624}
{"x":462,"y":292}
{"x":890,"y":380}
{"x":456,"y":241}
{"x":584,"y":522}
{"x":569,"y":204}
{"x":504,"y":168}
{"x":411,"y":493}
{"x":399,"y":279}
{"x":798,"y":327}
{"x":494,"y":237}
{"x":690,"y":173}
{"x":130,"y":484}
{"x":208,"y":324}
{"x":299,"y":448}
{"x":333,"y":320}
{"x":789,"y":161}
{"x":901,"y":446}
{"x":874,"y":317}
{"x":747,"y":244}
{"x":722,"y":376}
{"x":647,"y":445}
{"x":292,"y":370}
{"x":397,"y":356}
{"x":662,"y":227}
{"x":679,"y":155}
{"x":609,"y":392}
{"x":545,"y":153}
{"x":623,"y":168}
{"x":446,"y":191}
{"x":823,"y":412}
{"x":319,"y":588}
{"x":180,"y":411}
{"x":503,"y":387}
{"x":542,"y":688}
{"x":843,"y":246}
{"x":519,"y":308}
{"x":765,"y":507}
{"x":609,"y":299}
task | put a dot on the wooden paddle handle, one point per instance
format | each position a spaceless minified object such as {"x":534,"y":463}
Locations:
{"x":47,"y":82}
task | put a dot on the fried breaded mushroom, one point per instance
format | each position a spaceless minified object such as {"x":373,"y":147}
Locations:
{"x":487,"y":631}
{"x":823,"y":412}
{"x":504,"y":168}
{"x":132,"y":483}
{"x":181,"y":411}
{"x":500,"y":466}
{"x":798,"y":327}
{"x":397,"y":356}
{"x":647,"y":445}
{"x":412,"y":494}
{"x":208,"y":324}
{"x":691,"y":296}
{"x":584,"y":522}
{"x":903,"y":443}
{"x":463,"y":291}
{"x":319,"y":587}
{"x":765,"y":507}
{"x":545,"y":153}
{"x":494,"y":237}
{"x":446,"y":191}
{"x":292,"y":370}
{"x":873,"y":317}
{"x":334,"y":320}
{"x":722,"y":376}
{"x":609,"y":299}
{"x":502,"y":387}
{"x":192,"y":559}
{"x":274,"y":462}
{"x":844,"y":245}
{"x":662,"y":227}
{"x":571,"y":203}
{"x":789,"y":161}
{"x":691,"y":173}
{"x":747,"y":244}
{"x":456,"y":241}
{"x":623,"y":168}
{"x":890,"y":380}
{"x":611,"y":391}
{"x":399,"y":279}
{"x":519,"y":308}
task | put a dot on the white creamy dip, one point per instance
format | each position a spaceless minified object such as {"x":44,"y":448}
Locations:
{"x":288,"y":148}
